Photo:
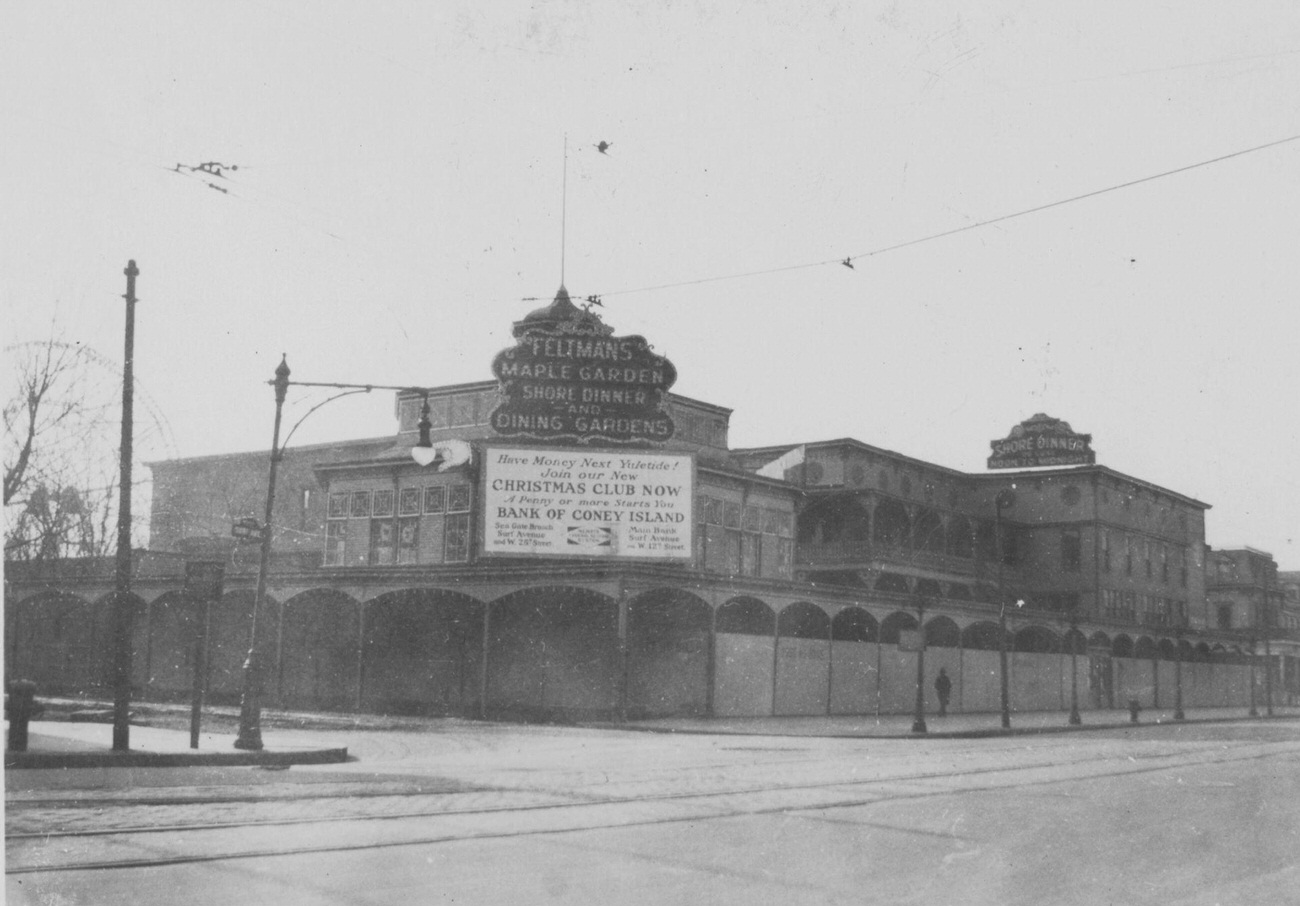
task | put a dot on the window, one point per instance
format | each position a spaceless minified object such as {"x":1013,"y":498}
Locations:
{"x":1224,"y":614}
{"x":731,"y":514}
{"x":408,"y":539}
{"x":1105,"y":551}
{"x":360,"y":504}
{"x":336,"y":537}
{"x":338,"y":505}
{"x":1071,"y":551}
{"x":1128,"y":556}
{"x":435,"y":500}
{"x":1146,"y":557}
{"x":381,"y":542}
{"x":458,"y":498}
{"x":408,"y":503}
{"x":383,"y":504}
{"x":1164,"y":564}
{"x":456,"y":538}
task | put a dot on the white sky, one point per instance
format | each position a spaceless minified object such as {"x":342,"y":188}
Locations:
{"x":400,"y":182}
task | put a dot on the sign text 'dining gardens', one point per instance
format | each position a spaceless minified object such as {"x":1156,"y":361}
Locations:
{"x":566,"y":378}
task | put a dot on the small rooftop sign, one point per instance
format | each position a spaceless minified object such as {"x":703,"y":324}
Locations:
{"x":1041,"y":441}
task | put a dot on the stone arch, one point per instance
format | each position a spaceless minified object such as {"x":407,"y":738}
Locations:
{"x":1074,"y":642}
{"x":802,"y":660}
{"x":321,"y":651}
{"x":982,"y":636}
{"x":802,"y":620}
{"x":1202,"y":651}
{"x":929,"y":588}
{"x":986,"y":540}
{"x":1038,"y":639}
{"x":229,"y":626}
{"x":928,"y":533}
{"x":895,"y":623}
{"x":854,"y":624}
{"x":1099,"y":640}
{"x":746,"y":616}
{"x":421,"y":651}
{"x":959,"y":591}
{"x":1167,"y":650}
{"x":58,"y":644}
{"x":1145,"y":647}
{"x":961,"y":537}
{"x":1122,"y":646}
{"x":942,"y":632}
{"x":174,"y":625}
{"x":893,"y":527}
{"x":668,"y":632}
{"x":553,"y":652}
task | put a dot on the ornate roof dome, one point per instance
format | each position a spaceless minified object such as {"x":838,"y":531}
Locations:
{"x":559,"y":311}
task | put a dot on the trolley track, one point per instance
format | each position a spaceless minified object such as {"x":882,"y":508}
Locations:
{"x":584,"y":811}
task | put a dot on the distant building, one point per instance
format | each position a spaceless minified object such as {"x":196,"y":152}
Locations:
{"x":587,"y":543}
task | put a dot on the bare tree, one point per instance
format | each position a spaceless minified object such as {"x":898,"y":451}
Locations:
{"x":61,"y":460}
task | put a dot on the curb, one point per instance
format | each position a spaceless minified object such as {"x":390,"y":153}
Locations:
{"x":977,"y":733}
{"x":30,"y":760}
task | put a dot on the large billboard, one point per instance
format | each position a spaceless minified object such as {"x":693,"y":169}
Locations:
{"x":588,"y":503}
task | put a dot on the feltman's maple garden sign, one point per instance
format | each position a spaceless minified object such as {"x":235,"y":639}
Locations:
{"x":566,"y":378}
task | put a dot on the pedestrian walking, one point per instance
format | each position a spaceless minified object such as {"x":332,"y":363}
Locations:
{"x":943,"y":686}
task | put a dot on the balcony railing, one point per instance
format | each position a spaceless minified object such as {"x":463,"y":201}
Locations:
{"x":849,"y":554}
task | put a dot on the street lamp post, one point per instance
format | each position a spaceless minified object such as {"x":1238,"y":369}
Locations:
{"x":1075,"y":718}
{"x":1004,"y":500}
{"x":250,"y":706}
{"x":918,"y":716}
{"x":1267,"y":627}
{"x":424,"y":453}
{"x":1178,"y":668}
{"x":1254,"y":712}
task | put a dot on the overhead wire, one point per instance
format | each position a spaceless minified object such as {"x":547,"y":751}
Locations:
{"x":848,"y":261}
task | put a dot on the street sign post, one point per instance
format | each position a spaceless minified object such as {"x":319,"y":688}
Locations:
{"x":203,"y":582}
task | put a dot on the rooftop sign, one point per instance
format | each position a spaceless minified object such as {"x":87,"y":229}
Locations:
{"x":566,"y":378}
{"x":1041,"y":441}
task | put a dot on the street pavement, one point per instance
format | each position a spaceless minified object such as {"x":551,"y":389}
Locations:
{"x":796,"y":810}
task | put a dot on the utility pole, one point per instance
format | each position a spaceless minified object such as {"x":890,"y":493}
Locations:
{"x":122,"y":609}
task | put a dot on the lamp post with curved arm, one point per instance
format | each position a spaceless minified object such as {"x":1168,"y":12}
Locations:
{"x":424,"y":453}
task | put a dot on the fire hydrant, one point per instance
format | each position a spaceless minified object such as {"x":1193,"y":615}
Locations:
{"x":20,"y":708}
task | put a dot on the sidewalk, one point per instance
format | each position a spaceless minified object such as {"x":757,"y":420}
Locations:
{"x":953,"y":726}
{"x":63,"y":744}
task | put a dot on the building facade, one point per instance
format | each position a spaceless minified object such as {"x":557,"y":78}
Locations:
{"x":587,"y":544}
